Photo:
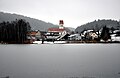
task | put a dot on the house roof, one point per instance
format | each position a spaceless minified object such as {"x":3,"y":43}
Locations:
{"x":32,"y":33}
{"x":55,"y":30}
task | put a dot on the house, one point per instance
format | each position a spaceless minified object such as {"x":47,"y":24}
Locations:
{"x":93,"y":35}
{"x":34,"y":35}
{"x":115,"y":36}
{"x":89,"y":35}
{"x":74,"y":37}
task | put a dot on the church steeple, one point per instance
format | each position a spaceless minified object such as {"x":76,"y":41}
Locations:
{"x":61,"y":23}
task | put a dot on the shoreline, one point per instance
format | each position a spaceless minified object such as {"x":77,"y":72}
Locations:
{"x":65,"y":42}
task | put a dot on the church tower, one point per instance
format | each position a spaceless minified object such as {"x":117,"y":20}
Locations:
{"x":61,"y":23}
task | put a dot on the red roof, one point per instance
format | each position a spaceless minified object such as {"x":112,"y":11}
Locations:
{"x":32,"y":33}
{"x":56,"y":29}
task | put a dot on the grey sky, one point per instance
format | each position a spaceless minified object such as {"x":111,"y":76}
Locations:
{"x":73,"y":12}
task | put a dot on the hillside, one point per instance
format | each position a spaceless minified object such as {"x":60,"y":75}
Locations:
{"x":34,"y":23}
{"x":98,"y":25}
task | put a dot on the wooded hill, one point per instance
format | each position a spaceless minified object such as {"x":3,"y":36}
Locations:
{"x":97,"y":25}
{"x":34,"y":23}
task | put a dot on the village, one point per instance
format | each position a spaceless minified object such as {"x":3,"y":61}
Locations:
{"x":62,"y":35}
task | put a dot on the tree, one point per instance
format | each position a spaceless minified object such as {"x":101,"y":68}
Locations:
{"x":22,"y":28}
{"x":14,"y":32}
{"x":105,"y":35}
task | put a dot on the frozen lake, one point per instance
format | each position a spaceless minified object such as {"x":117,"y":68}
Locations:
{"x":60,"y":61}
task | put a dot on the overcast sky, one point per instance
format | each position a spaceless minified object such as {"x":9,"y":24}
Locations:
{"x":73,"y":12}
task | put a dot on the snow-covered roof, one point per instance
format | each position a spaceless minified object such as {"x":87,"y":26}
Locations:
{"x":115,"y":31}
{"x":74,"y":35}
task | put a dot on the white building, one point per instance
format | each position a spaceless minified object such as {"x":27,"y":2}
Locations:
{"x":75,"y":37}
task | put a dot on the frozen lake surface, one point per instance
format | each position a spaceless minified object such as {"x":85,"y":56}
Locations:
{"x":60,"y":61}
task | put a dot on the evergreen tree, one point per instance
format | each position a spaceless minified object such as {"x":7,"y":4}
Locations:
{"x":105,"y":35}
{"x":14,"y":32}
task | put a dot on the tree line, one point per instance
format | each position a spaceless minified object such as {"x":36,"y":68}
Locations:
{"x":14,"y":32}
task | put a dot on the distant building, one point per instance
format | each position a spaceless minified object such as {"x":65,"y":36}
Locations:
{"x":115,"y":36}
{"x":74,"y":37}
{"x":93,"y":35}
{"x":60,"y":29}
{"x":89,"y":35}
{"x":34,"y":35}
{"x":57,"y":33}
{"x":56,"y":30}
